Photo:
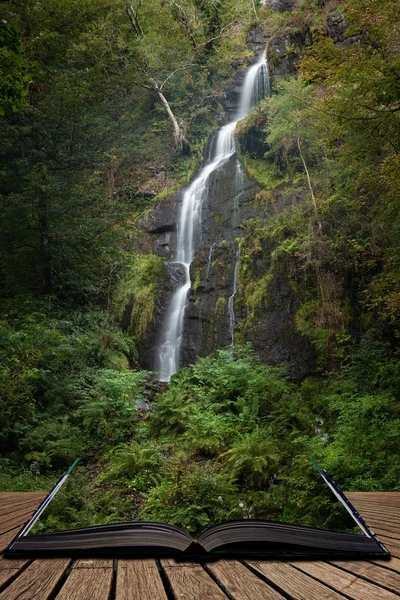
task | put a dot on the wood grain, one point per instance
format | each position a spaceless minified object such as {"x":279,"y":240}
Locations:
{"x":392,"y":563}
{"x":139,"y":580}
{"x":38,"y":581}
{"x":345,"y":582}
{"x":16,"y":499}
{"x":372,"y":572}
{"x":18,"y":512}
{"x":193,"y":583}
{"x":88,"y":582}
{"x":241,"y":583}
{"x":10,"y":568}
{"x":295,"y":583}
{"x":6,"y":538}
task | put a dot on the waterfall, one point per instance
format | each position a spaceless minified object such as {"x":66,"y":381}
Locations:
{"x":231,"y":301}
{"x":209,"y":264}
{"x":255,"y":86}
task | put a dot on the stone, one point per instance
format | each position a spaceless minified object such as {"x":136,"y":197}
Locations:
{"x":282,"y":5}
{"x":156,"y":232}
{"x":285,"y":50}
{"x":336,"y":26}
{"x":257,"y":37}
{"x":273,"y":332}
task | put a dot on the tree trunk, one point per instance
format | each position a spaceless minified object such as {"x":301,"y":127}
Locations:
{"x":180,"y":140}
{"x":310,"y":186}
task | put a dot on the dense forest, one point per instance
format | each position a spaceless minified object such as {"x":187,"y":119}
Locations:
{"x":107,"y":108}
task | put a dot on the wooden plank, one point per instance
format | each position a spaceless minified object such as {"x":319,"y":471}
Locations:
{"x":382,"y":515}
{"x":8,"y":508}
{"x":351,"y":585}
{"x":16,"y":521}
{"x":12,"y":563}
{"x":9,"y":496}
{"x":390,"y":495}
{"x":88,"y":580}
{"x":393,"y":497}
{"x":386,"y":528}
{"x":139,"y":580}
{"x":9,"y":499}
{"x":10,"y":568}
{"x":18,"y":512}
{"x":394,"y":551}
{"x":387,"y":540}
{"x":373,"y":573}
{"x":38,"y":581}
{"x":94,"y":563}
{"x":7,"y":575}
{"x":193,"y":583}
{"x":392,"y":563}
{"x":171,"y":562}
{"x":389,"y":516}
{"x":241,"y":583}
{"x":295,"y":583}
{"x":377,"y":504}
{"x":6,"y":538}
{"x":373,"y":502}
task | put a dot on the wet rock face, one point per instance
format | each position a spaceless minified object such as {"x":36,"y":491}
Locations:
{"x":256,"y":40}
{"x":282,"y":5}
{"x":157,"y":230}
{"x":207,"y":316}
{"x":173,"y":277}
{"x":273,"y":331}
{"x":285,"y":51}
{"x":229,"y":202}
{"x":336,"y":27}
{"x":230,"y":102}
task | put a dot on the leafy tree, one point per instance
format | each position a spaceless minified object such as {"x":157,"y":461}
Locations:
{"x":16,"y":71}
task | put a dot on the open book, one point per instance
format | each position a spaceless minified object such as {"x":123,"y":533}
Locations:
{"x":242,"y":538}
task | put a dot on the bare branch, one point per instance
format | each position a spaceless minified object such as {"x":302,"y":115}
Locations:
{"x":134,"y":19}
{"x":221,"y":32}
{"x":309,"y":185}
{"x":176,"y":71}
{"x":185,"y":20}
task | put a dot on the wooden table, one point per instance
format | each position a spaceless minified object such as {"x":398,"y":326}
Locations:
{"x":85,"y":579}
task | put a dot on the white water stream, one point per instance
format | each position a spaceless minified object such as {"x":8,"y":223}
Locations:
{"x":255,"y":87}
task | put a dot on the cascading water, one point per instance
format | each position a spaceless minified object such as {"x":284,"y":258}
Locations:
{"x":209,"y":264}
{"x":255,"y":87}
{"x":231,"y":301}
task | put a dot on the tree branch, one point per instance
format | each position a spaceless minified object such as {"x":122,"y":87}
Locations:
{"x":309,"y":185}
{"x":176,"y":71}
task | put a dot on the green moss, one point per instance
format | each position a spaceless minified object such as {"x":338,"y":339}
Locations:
{"x":138,"y":288}
{"x":196,"y":277}
{"x":220,"y":306}
{"x":263,"y":172}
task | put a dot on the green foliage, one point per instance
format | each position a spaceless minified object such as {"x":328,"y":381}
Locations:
{"x":60,"y":383}
{"x":108,"y":410}
{"x":16,"y":71}
{"x":193,"y":496}
{"x":253,"y":459}
{"x":134,"y":294}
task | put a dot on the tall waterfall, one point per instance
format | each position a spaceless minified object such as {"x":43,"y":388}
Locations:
{"x":255,"y":87}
